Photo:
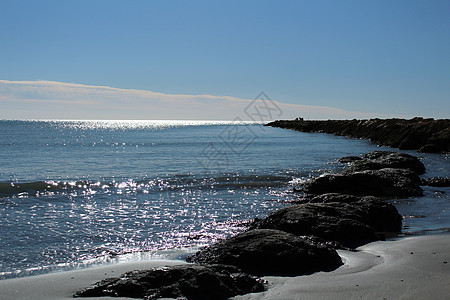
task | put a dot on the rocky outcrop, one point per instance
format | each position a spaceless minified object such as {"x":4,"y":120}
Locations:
{"x":270,"y":252}
{"x":379,"y":214}
{"x":437,"y":181}
{"x":183,"y":281}
{"x":387,"y":159}
{"x":349,"y":159}
{"x":342,"y":207}
{"x":384,"y":183}
{"x":348,"y":220}
{"x":426,"y":135}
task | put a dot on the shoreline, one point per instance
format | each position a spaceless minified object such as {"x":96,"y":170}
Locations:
{"x":408,"y":267}
{"x":63,"y":284}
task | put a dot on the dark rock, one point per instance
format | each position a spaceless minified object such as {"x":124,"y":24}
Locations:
{"x":407,"y":134}
{"x":381,"y":215}
{"x":329,"y":197}
{"x":408,"y":144}
{"x":315,"y":240}
{"x":429,"y":148}
{"x":270,"y":252}
{"x":384,"y":182}
{"x":441,"y":139}
{"x":324,"y":221}
{"x":386,"y":159}
{"x":335,"y":197}
{"x":347,"y":219}
{"x":349,"y":159}
{"x":413,"y":140}
{"x":438,"y":181}
{"x":187,"y":281}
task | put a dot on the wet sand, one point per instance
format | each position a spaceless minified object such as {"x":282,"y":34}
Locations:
{"x":409,"y":268}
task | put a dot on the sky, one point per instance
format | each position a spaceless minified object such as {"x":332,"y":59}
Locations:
{"x":210,"y":59}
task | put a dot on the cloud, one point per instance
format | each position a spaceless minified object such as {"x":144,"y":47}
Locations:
{"x":60,"y":100}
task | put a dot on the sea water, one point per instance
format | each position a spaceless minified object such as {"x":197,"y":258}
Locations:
{"x":77,"y":193}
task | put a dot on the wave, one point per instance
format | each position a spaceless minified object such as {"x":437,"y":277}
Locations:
{"x":177,"y":182}
{"x":12,"y":188}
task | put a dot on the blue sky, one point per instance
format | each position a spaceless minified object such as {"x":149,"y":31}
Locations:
{"x":372,"y":58}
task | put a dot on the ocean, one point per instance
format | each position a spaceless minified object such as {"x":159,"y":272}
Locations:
{"x":80,"y":193}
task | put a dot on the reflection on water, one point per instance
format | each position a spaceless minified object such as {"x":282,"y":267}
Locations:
{"x":74,"y":193}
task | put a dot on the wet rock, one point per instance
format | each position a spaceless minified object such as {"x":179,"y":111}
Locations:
{"x":438,"y":181}
{"x":409,"y":144}
{"x":346,"y":219}
{"x":387,"y":159}
{"x":429,"y":148}
{"x":186,"y":281}
{"x":441,"y":139}
{"x":386,"y":182}
{"x":333,"y":197}
{"x":270,"y":252}
{"x":329,"y":197}
{"x":349,"y":159}
{"x":379,"y":214}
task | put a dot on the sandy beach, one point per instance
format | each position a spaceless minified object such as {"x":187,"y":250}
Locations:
{"x":408,"y":268}
{"x":62,"y":285}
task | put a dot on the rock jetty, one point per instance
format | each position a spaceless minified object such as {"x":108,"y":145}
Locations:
{"x":425,"y":135}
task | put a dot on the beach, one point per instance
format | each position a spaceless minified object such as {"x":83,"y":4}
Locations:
{"x":62,"y":285}
{"x":408,"y":268}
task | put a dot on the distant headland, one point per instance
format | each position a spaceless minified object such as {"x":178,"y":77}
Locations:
{"x":425,"y":135}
